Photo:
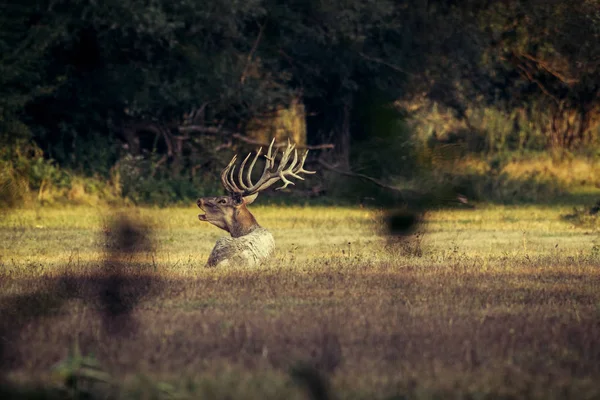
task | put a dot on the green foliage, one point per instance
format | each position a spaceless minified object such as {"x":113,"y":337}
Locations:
{"x":534,"y":187}
{"x":537,"y":57}
{"x":118,"y":64}
{"x":81,"y":375}
{"x":482,"y":130}
{"x":144,"y":180}
{"x":24,"y":172}
{"x":27,"y":178}
{"x":383,"y":144}
{"x":509,"y":178}
{"x":25,"y":38}
{"x":83,"y":79}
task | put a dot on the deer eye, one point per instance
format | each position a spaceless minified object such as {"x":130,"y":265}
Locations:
{"x":222,"y":201}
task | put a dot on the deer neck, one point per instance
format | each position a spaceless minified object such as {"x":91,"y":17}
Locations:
{"x":242,"y":223}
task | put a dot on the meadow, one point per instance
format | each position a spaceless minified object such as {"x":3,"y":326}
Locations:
{"x":490,"y":302}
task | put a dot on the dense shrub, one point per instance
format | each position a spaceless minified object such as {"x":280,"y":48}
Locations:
{"x":27,"y":177}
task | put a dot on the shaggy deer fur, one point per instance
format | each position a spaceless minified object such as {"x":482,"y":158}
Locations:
{"x":249,"y":250}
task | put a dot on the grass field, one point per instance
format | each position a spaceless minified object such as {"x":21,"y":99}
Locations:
{"x":495,"y":302}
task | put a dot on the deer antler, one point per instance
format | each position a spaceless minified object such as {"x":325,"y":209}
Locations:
{"x":270,"y":174}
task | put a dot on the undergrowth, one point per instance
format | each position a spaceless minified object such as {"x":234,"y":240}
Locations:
{"x":28,"y":179}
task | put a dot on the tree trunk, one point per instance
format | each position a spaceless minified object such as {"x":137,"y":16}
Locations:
{"x":344,"y":135}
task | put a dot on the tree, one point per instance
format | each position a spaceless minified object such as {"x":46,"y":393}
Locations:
{"x":334,"y":50}
{"x":25,"y":38}
{"x":538,"y":56}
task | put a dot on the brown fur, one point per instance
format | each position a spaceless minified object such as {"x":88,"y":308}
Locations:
{"x":229,"y":213}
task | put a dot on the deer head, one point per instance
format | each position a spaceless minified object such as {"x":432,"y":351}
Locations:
{"x":230,"y":212}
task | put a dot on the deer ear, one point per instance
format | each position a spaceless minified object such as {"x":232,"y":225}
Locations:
{"x":237,"y":199}
{"x":250,"y":199}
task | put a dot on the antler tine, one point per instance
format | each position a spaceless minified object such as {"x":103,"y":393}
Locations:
{"x":285,"y":157}
{"x":224,"y":174}
{"x":241,"y":172}
{"x":300,"y":168}
{"x":270,"y":161}
{"x":268,"y":176}
{"x":287,"y":167}
{"x":273,"y":158}
{"x":236,"y":189}
{"x":271,"y":145}
{"x":268,"y":156}
{"x":289,"y":170}
{"x":266,"y":173}
{"x":249,"y":173}
{"x":294,"y":161}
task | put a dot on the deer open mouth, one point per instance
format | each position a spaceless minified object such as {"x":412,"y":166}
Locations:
{"x":201,"y":217}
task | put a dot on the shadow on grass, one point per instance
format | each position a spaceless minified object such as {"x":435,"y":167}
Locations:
{"x":115,"y":292}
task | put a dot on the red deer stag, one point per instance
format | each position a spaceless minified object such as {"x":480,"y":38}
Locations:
{"x":249,"y":244}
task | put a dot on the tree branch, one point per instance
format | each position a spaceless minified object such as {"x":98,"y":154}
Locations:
{"x":406,"y":194}
{"x":537,"y":82}
{"x":243,"y":138}
{"x":200,"y":129}
{"x":252,"y":51}
{"x":387,"y":64}
{"x":246,"y":139}
{"x":544,"y":65}
{"x":361,"y":176}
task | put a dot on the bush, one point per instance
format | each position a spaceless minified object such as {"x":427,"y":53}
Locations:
{"x":27,"y":177}
{"x":504,"y":179}
{"x":145,"y":180}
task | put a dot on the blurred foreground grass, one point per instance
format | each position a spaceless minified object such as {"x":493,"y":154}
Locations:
{"x":495,"y":302}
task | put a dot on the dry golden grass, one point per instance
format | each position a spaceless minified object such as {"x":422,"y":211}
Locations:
{"x":485,"y":303}
{"x":568,"y":173}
